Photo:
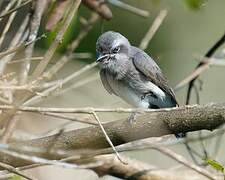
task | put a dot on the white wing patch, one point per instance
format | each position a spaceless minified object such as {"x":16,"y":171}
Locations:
{"x":156,"y":90}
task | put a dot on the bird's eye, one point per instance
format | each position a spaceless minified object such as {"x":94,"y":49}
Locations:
{"x":116,"y":49}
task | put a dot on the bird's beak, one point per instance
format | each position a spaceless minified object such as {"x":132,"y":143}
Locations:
{"x":102,"y":57}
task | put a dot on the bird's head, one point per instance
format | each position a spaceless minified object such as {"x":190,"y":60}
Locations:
{"x":111,"y":49}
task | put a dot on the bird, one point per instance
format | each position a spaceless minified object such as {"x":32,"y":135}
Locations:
{"x":131,"y":74}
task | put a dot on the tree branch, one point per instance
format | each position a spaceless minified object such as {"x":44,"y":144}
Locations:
{"x":152,"y":124}
{"x":209,"y":54}
{"x":138,"y":170}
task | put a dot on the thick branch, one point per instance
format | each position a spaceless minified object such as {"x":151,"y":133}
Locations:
{"x":138,"y":170}
{"x":152,"y":124}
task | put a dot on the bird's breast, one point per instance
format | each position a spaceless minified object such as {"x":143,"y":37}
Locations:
{"x":126,"y":92}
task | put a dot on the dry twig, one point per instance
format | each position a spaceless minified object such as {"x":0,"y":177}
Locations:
{"x":153,"y":29}
{"x":201,"y":67}
{"x":49,"y":54}
{"x":129,"y":8}
{"x":15,"y":9}
{"x":15,"y":171}
{"x":107,"y":137}
{"x":35,"y":21}
{"x":8,"y":24}
{"x":99,"y":7}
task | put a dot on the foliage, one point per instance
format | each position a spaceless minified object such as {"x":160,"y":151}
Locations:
{"x":16,"y":177}
{"x":195,"y":4}
{"x":214,"y":164}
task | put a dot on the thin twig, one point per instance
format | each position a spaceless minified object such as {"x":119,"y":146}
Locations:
{"x":168,"y":152}
{"x":15,"y":9}
{"x":9,"y":128}
{"x":71,"y":48}
{"x":209,"y":54}
{"x":49,"y":54}
{"x":77,"y":85}
{"x":207,"y":62}
{"x":62,"y":116}
{"x":43,"y":161}
{"x":14,"y":42}
{"x":107,"y":137}
{"x":57,"y":14}
{"x":82,"y":55}
{"x":99,"y":7}
{"x":129,"y":8}
{"x":61,"y":83}
{"x":145,"y":144}
{"x":8,"y":175}
{"x":7,"y":57}
{"x":24,"y":59}
{"x":88,"y":110}
{"x":153,"y":29}
{"x":8,"y":24}
{"x":29,"y":87}
{"x":183,"y":161}
{"x":18,"y":47}
{"x":55,"y":68}
{"x":11,"y":124}
{"x":16,"y":171}
{"x":5,"y":101}
{"x":7,"y":8}
{"x":34,"y":27}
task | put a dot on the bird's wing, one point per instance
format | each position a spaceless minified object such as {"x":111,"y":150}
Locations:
{"x":105,"y":82}
{"x":147,"y":66}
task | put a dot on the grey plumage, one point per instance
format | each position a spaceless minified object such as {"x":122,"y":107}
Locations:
{"x":128,"y":72}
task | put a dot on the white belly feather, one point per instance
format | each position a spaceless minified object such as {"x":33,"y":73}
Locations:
{"x":133,"y":97}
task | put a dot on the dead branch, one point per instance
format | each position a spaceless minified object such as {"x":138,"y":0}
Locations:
{"x":129,"y":8}
{"x":35,"y":21}
{"x":71,"y":48}
{"x":154,"y":124}
{"x":57,"y":14}
{"x":134,"y":169}
{"x":8,"y":24}
{"x":15,"y":171}
{"x":49,"y":54}
{"x":100,"y":7}
{"x":153,"y":29}
{"x":15,"y":9}
{"x":107,"y":137}
{"x":201,"y":67}
{"x":61,"y":83}
{"x":140,"y":171}
{"x":151,"y":144}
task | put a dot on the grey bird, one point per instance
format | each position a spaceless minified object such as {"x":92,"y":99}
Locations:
{"x":128,"y":72}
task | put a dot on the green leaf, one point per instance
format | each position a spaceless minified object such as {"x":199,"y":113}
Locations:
{"x":195,"y":4}
{"x":16,"y":177}
{"x":216,"y":165}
